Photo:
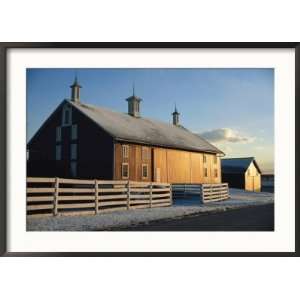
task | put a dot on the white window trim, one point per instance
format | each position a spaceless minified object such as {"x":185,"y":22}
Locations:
{"x":125,"y":151}
{"x":73,"y":154}
{"x":58,"y":152}
{"x":145,"y":165}
{"x":145,"y":153}
{"x":69,"y":109}
{"x":125,"y":164}
{"x":74,"y":132}
{"x":58,"y":134}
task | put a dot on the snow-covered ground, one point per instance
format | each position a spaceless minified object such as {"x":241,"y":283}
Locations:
{"x":180,"y":208}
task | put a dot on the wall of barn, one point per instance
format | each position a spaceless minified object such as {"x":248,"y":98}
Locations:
{"x":252,"y":179}
{"x":168,"y":165}
{"x":137,"y":157}
{"x":94,"y":149}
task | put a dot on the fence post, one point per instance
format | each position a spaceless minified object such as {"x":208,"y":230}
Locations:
{"x":171,"y":195}
{"x":203,"y":194}
{"x":96,"y":197}
{"x":151,"y":187}
{"x":128,"y":194}
{"x":56,"y":193}
{"x":227,"y":189}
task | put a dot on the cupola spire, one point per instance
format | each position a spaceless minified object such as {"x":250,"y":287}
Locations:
{"x":134,"y":104}
{"x":175,"y":116}
{"x":75,"y":90}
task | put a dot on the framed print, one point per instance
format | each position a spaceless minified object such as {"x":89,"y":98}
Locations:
{"x":149,"y":149}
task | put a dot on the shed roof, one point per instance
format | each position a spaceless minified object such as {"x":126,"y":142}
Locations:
{"x":238,"y":165}
{"x":124,"y":127}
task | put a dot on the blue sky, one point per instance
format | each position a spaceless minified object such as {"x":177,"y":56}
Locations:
{"x":233,"y":108}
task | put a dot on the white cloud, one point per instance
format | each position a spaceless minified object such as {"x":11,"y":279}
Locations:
{"x":226,"y":135}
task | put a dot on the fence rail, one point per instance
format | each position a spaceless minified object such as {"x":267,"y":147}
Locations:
{"x":62,"y":196}
{"x":206,"y":192}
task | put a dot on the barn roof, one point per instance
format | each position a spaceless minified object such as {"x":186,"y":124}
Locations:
{"x":124,"y":127}
{"x":238,"y":165}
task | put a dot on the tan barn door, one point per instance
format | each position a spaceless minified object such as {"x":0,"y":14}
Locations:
{"x":157,"y":175}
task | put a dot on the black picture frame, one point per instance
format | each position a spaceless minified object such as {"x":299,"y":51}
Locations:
{"x":3,"y":142}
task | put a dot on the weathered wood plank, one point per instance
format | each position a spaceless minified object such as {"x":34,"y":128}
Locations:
{"x":215,"y":189}
{"x":161,"y":201}
{"x":215,"y":192}
{"x":154,"y":196}
{"x":114,"y":190}
{"x":133,"y":202}
{"x":40,"y":198}
{"x":76,"y":213}
{"x":39,"y":190}
{"x":212,"y":200}
{"x":76,"y":197}
{"x":140,"y":206}
{"x":111,"y":203}
{"x":39,"y":215}
{"x":161,"y":190}
{"x":39,"y":179}
{"x":122,"y":182}
{"x":39,"y":207}
{"x":76,"y":205}
{"x":104,"y":197}
{"x":76,"y":190}
{"x":76,"y":181}
{"x":105,"y":210}
{"x":166,"y":204}
{"x":134,"y":190}
{"x":139,"y":196}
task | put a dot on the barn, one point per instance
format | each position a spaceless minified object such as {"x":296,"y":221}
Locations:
{"x":84,"y":141}
{"x":242,"y":173}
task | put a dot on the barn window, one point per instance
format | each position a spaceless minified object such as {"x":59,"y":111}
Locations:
{"x":215,"y":159}
{"x":125,"y":170}
{"x":58,"y":134}
{"x":74,"y":132}
{"x":58,"y":152}
{"x":67,"y":117}
{"x":73,"y":168}
{"x":205,"y":172}
{"x":73,"y":151}
{"x":125,"y":151}
{"x":204,"y":158}
{"x":145,"y":153}
{"x":144,"y":171}
{"x":216,"y":172}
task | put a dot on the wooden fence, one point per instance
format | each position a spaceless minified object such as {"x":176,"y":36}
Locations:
{"x":214,"y":192}
{"x":61,"y":196}
{"x":206,"y":192}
